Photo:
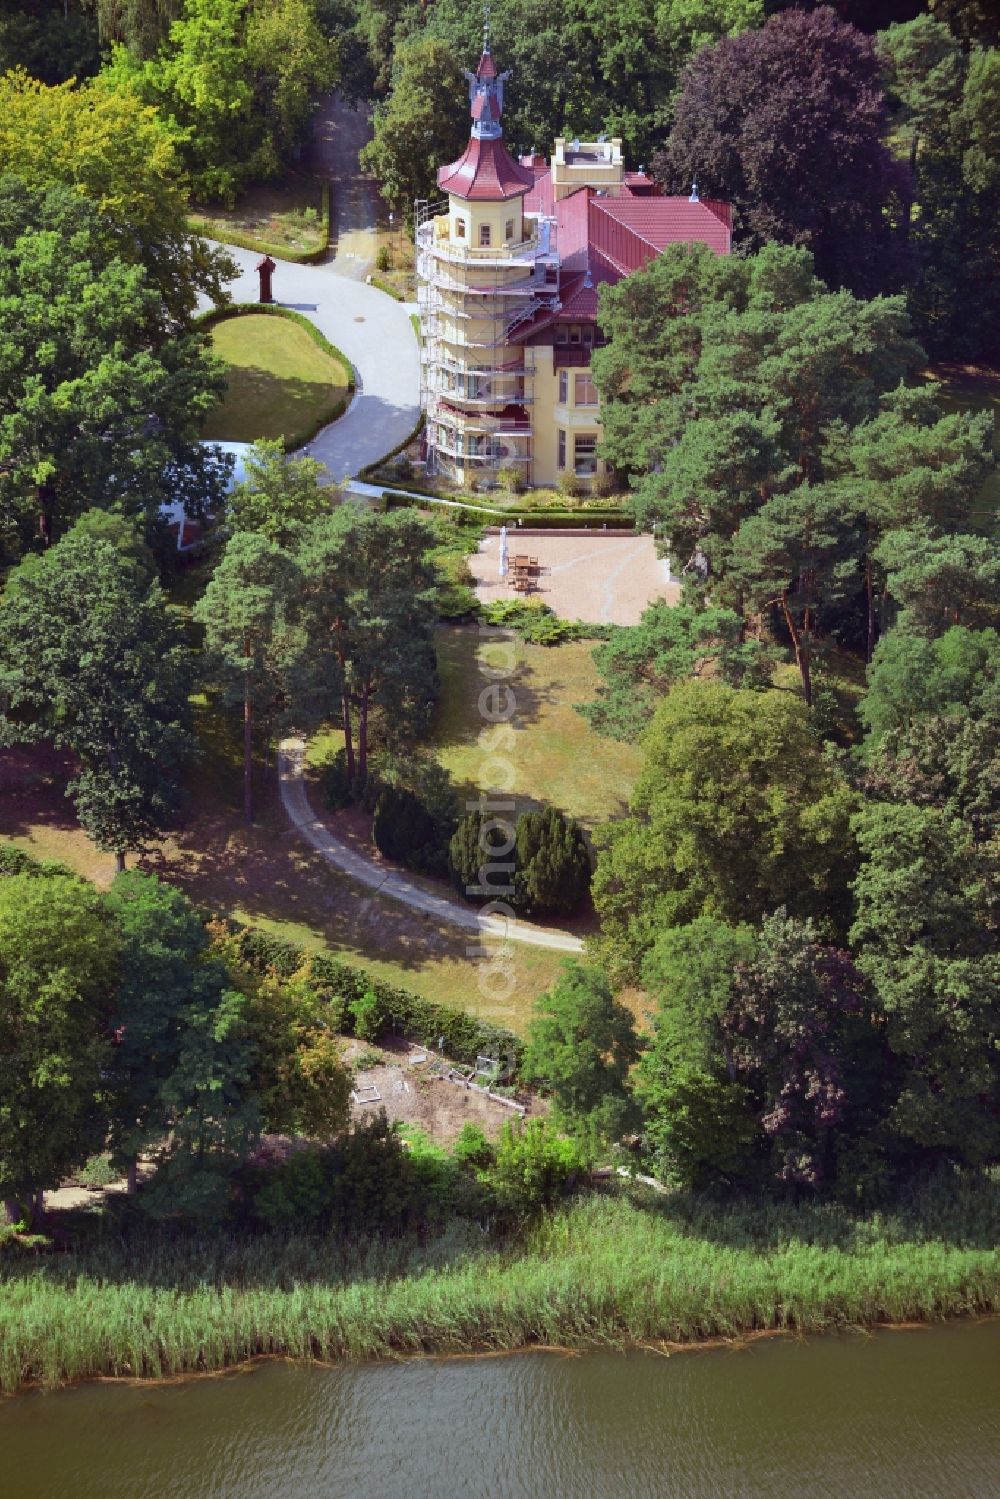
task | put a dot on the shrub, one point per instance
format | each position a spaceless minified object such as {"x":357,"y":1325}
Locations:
{"x":569,"y":484}
{"x":404,"y":829}
{"x":297,"y":1194}
{"x":553,"y":864}
{"x":366,"y":1013}
{"x":534,"y":1167}
{"x":335,"y":784}
{"x":472,"y":1149}
{"x":383,"y":259}
{"x":511,"y":479}
{"x":480,"y":862}
{"x":14,"y":860}
{"x":535,"y":623}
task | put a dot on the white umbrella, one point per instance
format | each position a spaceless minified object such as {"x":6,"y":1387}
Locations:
{"x":503,"y":551}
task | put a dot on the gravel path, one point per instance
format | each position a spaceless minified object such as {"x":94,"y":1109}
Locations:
{"x":295,"y":800}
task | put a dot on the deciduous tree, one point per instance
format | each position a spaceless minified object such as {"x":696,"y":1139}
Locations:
{"x":99,"y":403}
{"x":737,"y":811}
{"x":91,"y":660}
{"x":788,"y":124}
{"x":58,"y":954}
{"x":250,"y":640}
{"x":581,"y":1046}
{"x":112,"y":149}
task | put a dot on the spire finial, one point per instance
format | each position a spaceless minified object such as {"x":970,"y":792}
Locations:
{"x":486,"y":28}
{"x":694,"y":194}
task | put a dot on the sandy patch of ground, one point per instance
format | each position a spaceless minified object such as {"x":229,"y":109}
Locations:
{"x":591,"y":576}
{"x":411,"y":1092}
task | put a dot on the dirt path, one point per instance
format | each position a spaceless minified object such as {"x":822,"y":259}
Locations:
{"x":339,"y":132}
{"x":360,"y":867}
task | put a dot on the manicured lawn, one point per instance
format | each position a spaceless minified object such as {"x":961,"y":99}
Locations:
{"x":277,"y":216}
{"x":965,"y":387}
{"x":281,"y":383}
{"x":555,"y":756}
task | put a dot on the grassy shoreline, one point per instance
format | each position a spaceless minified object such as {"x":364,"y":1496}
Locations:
{"x":604,"y":1272}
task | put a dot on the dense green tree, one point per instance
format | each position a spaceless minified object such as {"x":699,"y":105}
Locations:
{"x":423,"y":124}
{"x":92,"y":661}
{"x":553,"y":863}
{"x":162,"y":940}
{"x":210,"y":1101}
{"x":98,"y":405}
{"x":580,"y":1048}
{"x":911,"y":466}
{"x":296,"y":1071}
{"x":638,"y":664}
{"x":926,"y":935}
{"x":404,"y":829}
{"x":777,"y":369}
{"x":115,"y":151}
{"x":736,"y":812}
{"x":57,"y":967}
{"x":369,"y":607}
{"x":578,"y":68}
{"x":762,"y":1056}
{"x":797,"y":552}
{"x":482,"y":857}
{"x":236,"y":78}
{"x":788,"y":124}
{"x":914,"y":677}
{"x":279,"y":495}
{"x":50,"y":40}
{"x":946,"y":102}
{"x":251,"y":643}
{"x":943,"y":580}
{"x":696,"y":1114}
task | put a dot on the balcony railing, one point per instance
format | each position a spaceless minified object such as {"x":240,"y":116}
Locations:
{"x":432,"y":242}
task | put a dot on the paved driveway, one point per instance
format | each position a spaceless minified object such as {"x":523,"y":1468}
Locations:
{"x":376,"y":335}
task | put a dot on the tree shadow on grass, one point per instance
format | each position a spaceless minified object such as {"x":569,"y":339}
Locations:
{"x":259,"y":403}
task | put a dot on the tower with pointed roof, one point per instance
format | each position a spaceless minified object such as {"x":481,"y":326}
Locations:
{"x":483,"y":268}
{"x":509,"y":267}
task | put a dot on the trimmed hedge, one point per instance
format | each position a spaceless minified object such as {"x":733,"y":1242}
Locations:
{"x":269,"y":309}
{"x":380,"y":284}
{"x":538,"y":520}
{"x":280,"y":252}
{"x":387,"y":1009}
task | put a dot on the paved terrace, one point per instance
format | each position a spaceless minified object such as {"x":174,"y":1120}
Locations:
{"x":590,"y":576}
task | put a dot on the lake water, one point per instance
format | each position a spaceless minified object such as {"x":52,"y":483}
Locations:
{"x":902,"y":1414}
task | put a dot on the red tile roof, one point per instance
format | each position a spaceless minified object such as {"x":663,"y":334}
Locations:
{"x":648,"y":225}
{"x":486,"y":172}
{"x":487,"y":68}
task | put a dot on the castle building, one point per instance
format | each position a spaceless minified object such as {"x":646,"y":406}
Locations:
{"x":508,"y":268}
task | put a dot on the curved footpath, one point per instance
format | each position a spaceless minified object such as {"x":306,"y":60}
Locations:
{"x":295,"y":800}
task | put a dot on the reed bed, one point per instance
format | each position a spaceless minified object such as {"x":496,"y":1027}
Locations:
{"x":605,"y":1271}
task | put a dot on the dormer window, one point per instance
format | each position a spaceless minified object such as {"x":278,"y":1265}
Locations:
{"x":484,"y":235}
